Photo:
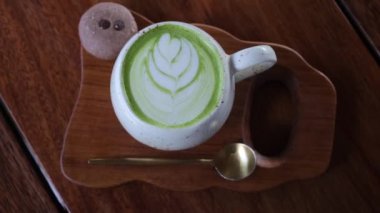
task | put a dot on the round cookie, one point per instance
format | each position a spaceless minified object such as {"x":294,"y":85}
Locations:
{"x":105,"y":28}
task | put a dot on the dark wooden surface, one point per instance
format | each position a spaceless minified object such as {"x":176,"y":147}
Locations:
{"x":367,"y":12}
{"x":20,"y":186}
{"x":40,"y":75}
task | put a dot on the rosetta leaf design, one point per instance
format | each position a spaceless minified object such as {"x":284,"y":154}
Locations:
{"x":173,"y":64}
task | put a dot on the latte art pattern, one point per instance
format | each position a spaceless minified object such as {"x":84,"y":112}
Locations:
{"x":172,"y":64}
{"x":173,"y":79}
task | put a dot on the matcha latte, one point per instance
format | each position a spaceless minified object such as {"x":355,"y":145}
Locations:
{"x":172,"y":76}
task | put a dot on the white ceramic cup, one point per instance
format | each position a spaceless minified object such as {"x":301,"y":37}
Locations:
{"x":236,"y":67}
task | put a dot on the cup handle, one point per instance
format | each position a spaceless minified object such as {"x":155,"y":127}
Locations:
{"x":251,"y":61}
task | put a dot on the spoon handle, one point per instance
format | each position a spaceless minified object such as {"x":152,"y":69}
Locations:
{"x":140,"y":161}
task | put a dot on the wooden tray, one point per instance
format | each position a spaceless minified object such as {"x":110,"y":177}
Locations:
{"x":287,"y":113}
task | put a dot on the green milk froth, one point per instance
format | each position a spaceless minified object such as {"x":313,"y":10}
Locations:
{"x":143,"y":46}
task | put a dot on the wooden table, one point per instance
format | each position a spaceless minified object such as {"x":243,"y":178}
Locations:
{"x":39,"y":81}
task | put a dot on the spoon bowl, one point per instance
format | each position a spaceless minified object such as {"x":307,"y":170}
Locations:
{"x":235,"y":161}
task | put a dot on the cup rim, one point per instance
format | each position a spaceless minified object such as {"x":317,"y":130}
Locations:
{"x":222,"y":55}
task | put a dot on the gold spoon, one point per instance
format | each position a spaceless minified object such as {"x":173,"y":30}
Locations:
{"x":235,"y":161}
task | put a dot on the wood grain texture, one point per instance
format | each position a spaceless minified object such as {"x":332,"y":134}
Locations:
{"x":40,"y":76}
{"x":94,"y":130}
{"x":367,"y":12}
{"x":21,"y":188}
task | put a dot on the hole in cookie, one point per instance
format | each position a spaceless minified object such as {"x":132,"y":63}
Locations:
{"x":104,"y":24}
{"x":118,"y":25}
